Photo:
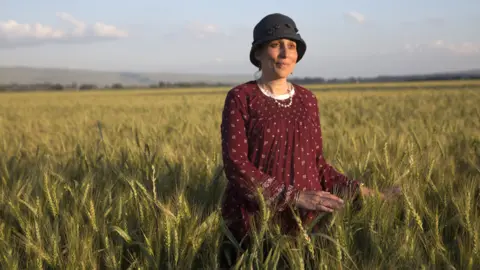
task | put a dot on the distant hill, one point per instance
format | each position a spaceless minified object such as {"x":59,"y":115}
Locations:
{"x":473,"y":71}
{"x":459,"y":72}
{"x":29,"y":75}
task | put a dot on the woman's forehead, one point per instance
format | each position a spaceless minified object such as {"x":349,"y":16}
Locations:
{"x":285,"y":40}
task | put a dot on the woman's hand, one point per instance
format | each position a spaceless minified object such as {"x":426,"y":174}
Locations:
{"x":385,"y":195}
{"x":391,"y":193}
{"x":319,"y":201}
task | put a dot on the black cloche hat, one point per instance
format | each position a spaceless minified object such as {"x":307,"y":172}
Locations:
{"x":275,"y":26}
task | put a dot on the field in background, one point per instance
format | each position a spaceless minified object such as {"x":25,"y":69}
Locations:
{"x":132,"y":178}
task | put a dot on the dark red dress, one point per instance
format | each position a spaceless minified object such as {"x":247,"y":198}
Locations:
{"x":277,"y":148}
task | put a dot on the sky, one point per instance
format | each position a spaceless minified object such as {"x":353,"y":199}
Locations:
{"x":344,"y":38}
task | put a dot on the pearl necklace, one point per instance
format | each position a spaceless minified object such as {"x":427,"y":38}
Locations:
{"x":289,"y":90}
{"x":285,"y":105}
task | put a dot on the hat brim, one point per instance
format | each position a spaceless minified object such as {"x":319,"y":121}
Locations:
{"x":301,"y":47}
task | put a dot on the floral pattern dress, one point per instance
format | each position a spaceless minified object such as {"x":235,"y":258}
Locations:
{"x":275,"y":147}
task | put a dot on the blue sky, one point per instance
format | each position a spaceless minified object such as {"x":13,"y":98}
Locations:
{"x":344,"y":38}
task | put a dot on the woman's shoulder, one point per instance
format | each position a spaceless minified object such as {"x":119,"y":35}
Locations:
{"x":244,"y":88}
{"x":247,"y":89}
{"x":241,"y":91}
{"x":304,"y":91}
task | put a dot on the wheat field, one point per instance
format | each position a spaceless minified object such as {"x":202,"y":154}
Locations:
{"x":133,"y":180}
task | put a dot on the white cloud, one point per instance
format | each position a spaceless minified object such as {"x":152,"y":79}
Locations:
{"x":463,"y":48}
{"x":203,"y":30}
{"x":14,"y":30}
{"x":104,"y":30}
{"x":196,"y":30}
{"x":355,"y":16}
{"x":459,"y":48}
{"x":80,"y":27}
{"x":14,"y":34}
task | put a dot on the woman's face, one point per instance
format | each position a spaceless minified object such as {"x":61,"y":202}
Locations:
{"x":278,"y":58}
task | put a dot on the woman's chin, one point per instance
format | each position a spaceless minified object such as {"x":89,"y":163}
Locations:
{"x":280,"y":73}
{"x":277,"y":73}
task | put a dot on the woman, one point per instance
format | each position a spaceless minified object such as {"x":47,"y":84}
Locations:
{"x":271,"y":138}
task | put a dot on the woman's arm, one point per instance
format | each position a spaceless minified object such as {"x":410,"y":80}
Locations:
{"x":334,"y":181}
{"x":238,"y":169}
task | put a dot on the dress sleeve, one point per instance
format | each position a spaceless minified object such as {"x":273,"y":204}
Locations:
{"x":242,"y":174}
{"x":331,"y":179}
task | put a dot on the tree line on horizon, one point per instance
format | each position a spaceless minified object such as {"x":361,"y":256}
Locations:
{"x":47,"y":86}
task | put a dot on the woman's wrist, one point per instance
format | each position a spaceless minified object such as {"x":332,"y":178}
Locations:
{"x":361,"y":189}
{"x":296,"y":198}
